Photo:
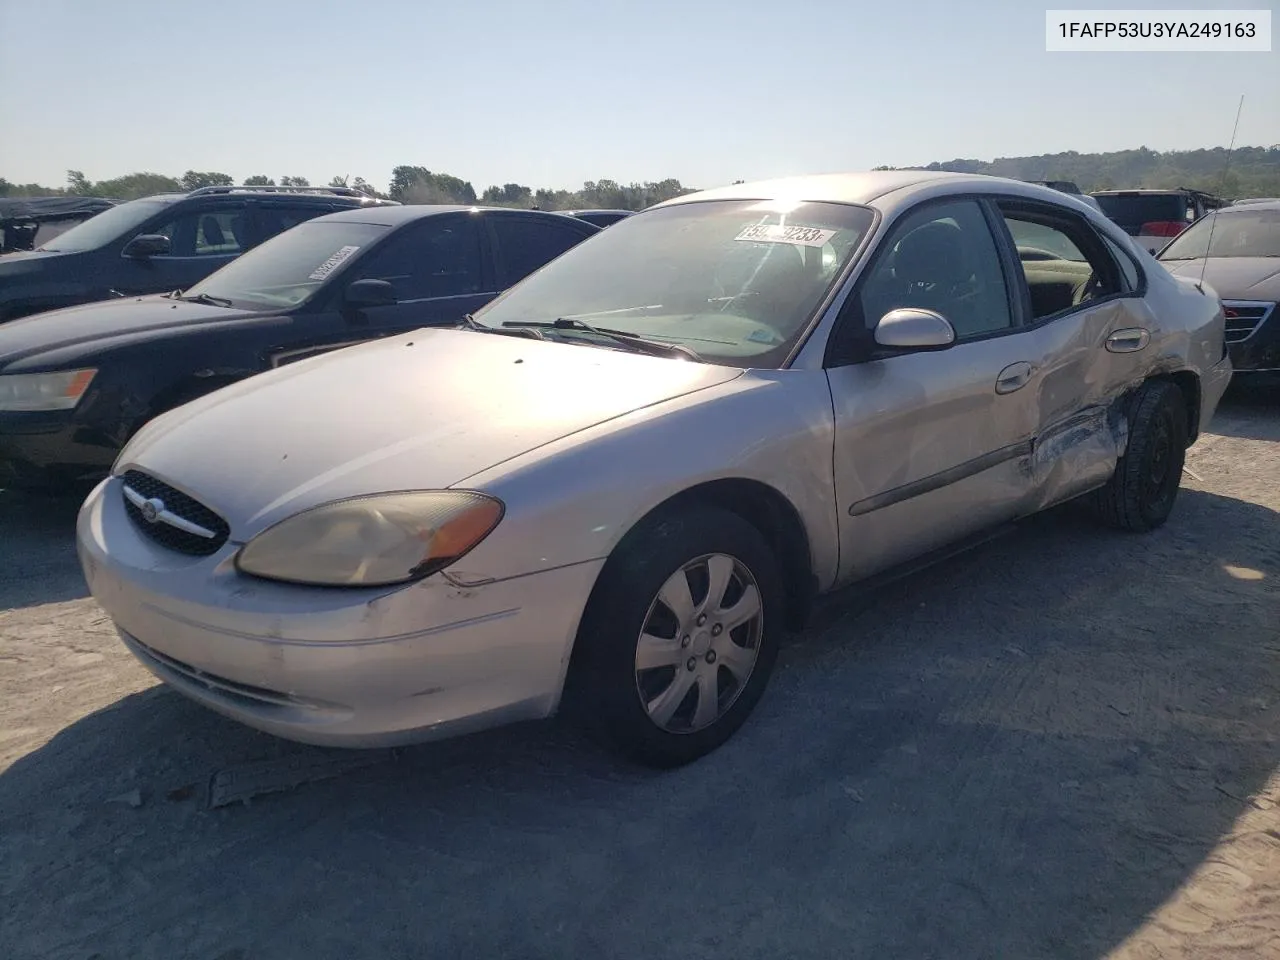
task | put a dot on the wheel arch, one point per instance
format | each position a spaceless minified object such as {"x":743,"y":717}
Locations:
{"x":1188,"y":384}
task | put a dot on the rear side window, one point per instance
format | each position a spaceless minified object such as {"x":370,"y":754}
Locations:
{"x":1064,"y":262}
{"x":277,"y":219}
{"x":525,"y":244}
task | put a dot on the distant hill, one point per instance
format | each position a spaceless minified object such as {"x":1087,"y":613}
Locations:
{"x":1252,"y":171}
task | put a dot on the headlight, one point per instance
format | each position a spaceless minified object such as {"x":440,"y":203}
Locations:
{"x":372,"y":541}
{"x":59,"y":390}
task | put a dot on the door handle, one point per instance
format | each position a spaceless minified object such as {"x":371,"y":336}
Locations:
{"x":1014,"y":377}
{"x":1129,"y":340}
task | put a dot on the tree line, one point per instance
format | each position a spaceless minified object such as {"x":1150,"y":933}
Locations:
{"x":1244,"y":172}
{"x":409,"y":184}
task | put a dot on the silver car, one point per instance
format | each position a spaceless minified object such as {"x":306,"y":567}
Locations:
{"x":1237,"y":250}
{"x":621,"y":481}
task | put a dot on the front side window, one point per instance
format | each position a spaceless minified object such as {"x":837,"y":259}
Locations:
{"x":941,"y":257}
{"x":737,"y":281}
{"x":438,"y":257}
{"x":222,"y":233}
{"x":1062,"y":260}
{"x":1236,"y":233}
{"x":290,"y":268}
{"x":118,"y":223}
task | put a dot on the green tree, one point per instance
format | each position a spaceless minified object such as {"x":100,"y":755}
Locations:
{"x":193,"y":180}
{"x":338,"y":182}
{"x":294,"y":182}
{"x":78,"y":183}
{"x":258,"y":180}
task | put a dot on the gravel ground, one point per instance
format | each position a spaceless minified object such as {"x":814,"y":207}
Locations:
{"x":1064,"y":744}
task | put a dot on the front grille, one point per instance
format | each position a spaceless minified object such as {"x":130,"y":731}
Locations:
{"x":180,"y":506}
{"x":1244,"y":318}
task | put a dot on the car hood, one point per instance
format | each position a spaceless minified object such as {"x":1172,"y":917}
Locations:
{"x":1235,"y":278}
{"x":420,"y":411}
{"x":94,"y":322}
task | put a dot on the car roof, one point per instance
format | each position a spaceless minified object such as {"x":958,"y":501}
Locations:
{"x":574,"y":213}
{"x":866,"y":188}
{"x":394,"y":216}
{"x":1253,"y":203}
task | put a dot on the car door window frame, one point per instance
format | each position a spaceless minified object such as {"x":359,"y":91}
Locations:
{"x":196,"y":212}
{"x":356,"y":269}
{"x":583,"y":229}
{"x":851,"y":338}
{"x":1081,"y":229}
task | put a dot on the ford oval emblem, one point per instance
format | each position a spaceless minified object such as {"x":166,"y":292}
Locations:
{"x":151,"y":509}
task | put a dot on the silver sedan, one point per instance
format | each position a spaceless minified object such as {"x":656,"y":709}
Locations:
{"x":620,"y":482}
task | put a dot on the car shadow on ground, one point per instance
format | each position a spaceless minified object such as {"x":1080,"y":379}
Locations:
{"x":1020,"y":753}
{"x":1249,"y":410}
{"x":37,"y":550}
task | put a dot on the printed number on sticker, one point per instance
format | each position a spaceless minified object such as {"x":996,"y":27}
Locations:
{"x":326,"y":268}
{"x":776,"y":233}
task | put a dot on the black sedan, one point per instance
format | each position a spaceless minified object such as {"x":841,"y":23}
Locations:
{"x":75,"y":384}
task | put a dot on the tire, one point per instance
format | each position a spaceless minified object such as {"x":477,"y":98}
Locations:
{"x":1140,"y":495}
{"x":703,"y":547}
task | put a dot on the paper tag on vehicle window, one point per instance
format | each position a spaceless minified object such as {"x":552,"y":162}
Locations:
{"x":326,"y":268}
{"x":778,"y":233}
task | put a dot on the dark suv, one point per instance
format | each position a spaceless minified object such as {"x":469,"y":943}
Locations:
{"x":158,"y":244}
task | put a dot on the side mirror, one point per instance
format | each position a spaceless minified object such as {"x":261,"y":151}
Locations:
{"x":369,"y":293}
{"x":146,"y":245}
{"x":908,"y":328}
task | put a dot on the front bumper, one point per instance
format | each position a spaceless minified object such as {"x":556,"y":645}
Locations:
{"x":1258,"y":351}
{"x":335,"y":667}
{"x":47,"y":449}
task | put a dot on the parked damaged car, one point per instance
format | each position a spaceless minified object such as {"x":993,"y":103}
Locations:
{"x":1237,"y":251}
{"x":75,"y":384}
{"x":617,"y":484}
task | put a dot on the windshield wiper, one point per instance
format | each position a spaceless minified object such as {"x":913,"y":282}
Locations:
{"x":206,"y":298}
{"x":468,"y":322}
{"x":657,"y":348}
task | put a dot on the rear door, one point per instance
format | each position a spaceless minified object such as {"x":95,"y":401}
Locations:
{"x":524,"y":242}
{"x":1088,"y":333}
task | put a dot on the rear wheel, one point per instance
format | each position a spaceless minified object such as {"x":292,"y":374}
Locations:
{"x":679,"y":639}
{"x":1141,"y":493}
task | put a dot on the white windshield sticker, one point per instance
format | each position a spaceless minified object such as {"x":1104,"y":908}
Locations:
{"x":326,"y":268}
{"x":777,"y":233}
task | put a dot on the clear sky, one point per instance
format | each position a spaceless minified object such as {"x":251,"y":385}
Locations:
{"x":553,"y":93}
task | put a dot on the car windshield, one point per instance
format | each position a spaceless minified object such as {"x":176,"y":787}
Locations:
{"x":291,"y":267}
{"x":734,"y":280}
{"x":1236,"y":233}
{"x":103,"y":228}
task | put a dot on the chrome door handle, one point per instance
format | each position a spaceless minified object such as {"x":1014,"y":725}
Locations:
{"x":1129,"y":340}
{"x":1014,"y":377}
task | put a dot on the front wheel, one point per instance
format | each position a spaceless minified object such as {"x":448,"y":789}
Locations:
{"x":679,"y":638}
{"x":1141,"y":493}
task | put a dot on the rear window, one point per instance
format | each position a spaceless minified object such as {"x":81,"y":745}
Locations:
{"x":1132,"y":211}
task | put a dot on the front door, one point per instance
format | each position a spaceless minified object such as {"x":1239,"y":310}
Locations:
{"x":932,"y":446}
{"x":439,"y":269}
{"x":200,"y":242}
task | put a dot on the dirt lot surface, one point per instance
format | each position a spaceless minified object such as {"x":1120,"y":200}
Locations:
{"x":1064,"y":744}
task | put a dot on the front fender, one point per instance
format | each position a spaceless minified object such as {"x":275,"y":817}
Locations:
{"x":573,"y":500}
